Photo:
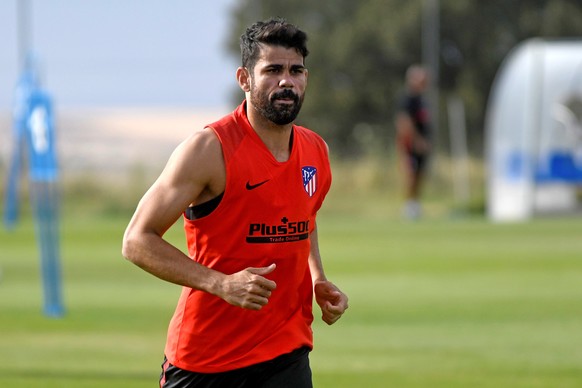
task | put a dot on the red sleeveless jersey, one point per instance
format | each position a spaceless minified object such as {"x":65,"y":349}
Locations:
{"x":265,"y":216}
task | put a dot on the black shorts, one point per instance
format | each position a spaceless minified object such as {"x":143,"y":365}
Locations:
{"x":417,"y":162}
{"x":289,"y":370}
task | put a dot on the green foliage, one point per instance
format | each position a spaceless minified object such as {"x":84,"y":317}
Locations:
{"x":360,"y":50}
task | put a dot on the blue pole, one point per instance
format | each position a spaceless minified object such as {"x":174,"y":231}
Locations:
{"x":11,"y":202}
{"x":45,"y":205}
{"x":44,"y":197}
{"x":24,"y":88}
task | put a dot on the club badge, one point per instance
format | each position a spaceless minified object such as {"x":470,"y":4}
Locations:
{"x":309,"y":174}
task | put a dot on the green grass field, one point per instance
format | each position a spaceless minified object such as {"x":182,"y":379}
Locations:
{"x":439,"y":303}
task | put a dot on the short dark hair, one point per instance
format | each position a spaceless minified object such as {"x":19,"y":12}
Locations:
{"x":274,"y":31}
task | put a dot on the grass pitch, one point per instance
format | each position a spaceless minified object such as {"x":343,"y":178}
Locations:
{"x":438,"y":303}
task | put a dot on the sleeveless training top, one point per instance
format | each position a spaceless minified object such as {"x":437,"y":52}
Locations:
{"x":265,"y":216}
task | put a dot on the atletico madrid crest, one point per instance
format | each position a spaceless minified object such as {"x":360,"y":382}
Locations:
{"x":309,"y":174}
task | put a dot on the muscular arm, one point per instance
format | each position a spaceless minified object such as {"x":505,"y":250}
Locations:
{"x":331,"y":300}
{"x":194,"y":174}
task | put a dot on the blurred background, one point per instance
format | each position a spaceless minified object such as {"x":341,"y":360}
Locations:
{"x":131,"y":79}
{"x":451,"y":301}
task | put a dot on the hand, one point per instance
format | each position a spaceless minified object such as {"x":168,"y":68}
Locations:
{"x":331,"y":300}
{"x":248,"y":288}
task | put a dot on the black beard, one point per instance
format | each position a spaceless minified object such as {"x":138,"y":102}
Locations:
{"x":282,"y":114}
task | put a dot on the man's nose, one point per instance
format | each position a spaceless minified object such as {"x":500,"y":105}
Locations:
{"x":286,"y":82}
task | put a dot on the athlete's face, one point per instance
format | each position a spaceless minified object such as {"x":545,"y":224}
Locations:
{"x":277,"y":84}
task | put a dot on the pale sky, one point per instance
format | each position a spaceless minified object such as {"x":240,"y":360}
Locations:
{"x":124,"y":53}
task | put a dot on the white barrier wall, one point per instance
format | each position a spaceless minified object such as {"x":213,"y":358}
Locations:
{"x":534,"y":137}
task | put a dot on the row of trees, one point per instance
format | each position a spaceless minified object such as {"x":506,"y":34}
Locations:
{"x":360,"y":50}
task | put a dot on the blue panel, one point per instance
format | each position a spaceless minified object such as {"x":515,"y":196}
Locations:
{"x":562,"y":167}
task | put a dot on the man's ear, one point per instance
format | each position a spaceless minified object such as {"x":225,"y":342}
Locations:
{"x":244,"y":79}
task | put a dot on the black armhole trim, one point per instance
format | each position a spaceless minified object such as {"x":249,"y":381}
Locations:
{"x":202,"y":210}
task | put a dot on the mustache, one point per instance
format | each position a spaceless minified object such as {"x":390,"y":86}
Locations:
{"x":285,"y":94}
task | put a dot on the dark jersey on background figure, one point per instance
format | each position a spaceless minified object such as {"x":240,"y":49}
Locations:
{"x":417,"y":109}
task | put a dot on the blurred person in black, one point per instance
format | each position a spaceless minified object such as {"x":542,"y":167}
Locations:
{"x":413,"y":137}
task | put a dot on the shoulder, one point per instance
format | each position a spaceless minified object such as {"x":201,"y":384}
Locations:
{"x":198,"y":154}
{"x":229,"y":132}
{"x":313,"y":145}
{"x":196,"y":166}
{"x":310,"y":136}
{"x":201,"y":143}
